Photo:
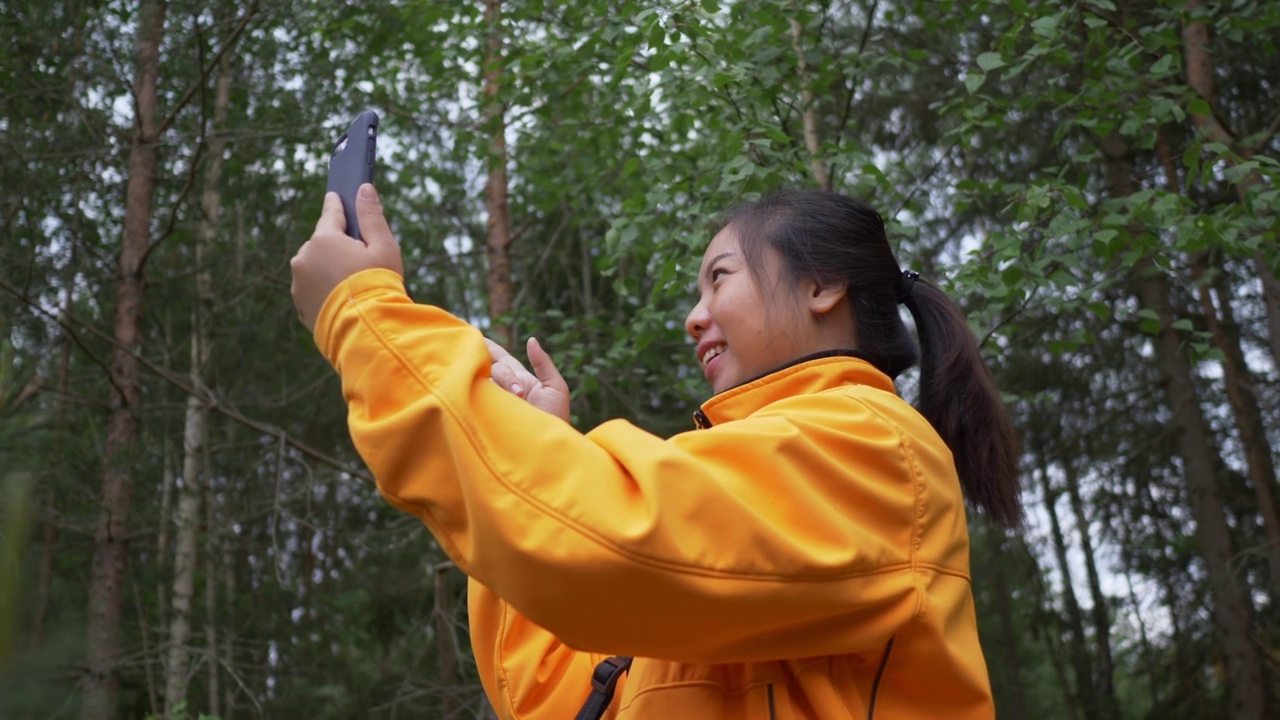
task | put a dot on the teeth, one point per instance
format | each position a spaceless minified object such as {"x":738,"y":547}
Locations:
{"x":711,"y":353}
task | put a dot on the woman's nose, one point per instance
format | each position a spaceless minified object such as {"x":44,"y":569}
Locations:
{"x":697,"y":321}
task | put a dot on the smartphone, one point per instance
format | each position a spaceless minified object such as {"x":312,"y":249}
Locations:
{"x":351,"y":164}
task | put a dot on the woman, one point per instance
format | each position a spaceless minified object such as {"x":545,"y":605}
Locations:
{"x":803,"y":555}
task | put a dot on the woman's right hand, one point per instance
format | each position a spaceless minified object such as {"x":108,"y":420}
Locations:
{"x":544,"y":388}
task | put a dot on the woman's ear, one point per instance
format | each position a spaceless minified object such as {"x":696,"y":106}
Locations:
{"x":822,"y":298}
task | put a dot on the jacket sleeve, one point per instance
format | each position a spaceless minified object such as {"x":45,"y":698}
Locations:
{"x":757,"y":539}
{"x":527,"y":673}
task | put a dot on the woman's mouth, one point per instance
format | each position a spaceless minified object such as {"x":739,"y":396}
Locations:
{"x":710,"y":354}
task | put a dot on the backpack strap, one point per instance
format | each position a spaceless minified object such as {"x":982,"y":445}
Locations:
{"x":603,"y":682}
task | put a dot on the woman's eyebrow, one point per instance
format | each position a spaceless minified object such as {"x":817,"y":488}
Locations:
{"x":712,"y":263}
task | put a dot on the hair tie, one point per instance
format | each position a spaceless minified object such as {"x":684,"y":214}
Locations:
{"x":906,"y":284}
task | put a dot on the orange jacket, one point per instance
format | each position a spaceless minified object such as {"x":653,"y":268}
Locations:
{"x":804,"y":557}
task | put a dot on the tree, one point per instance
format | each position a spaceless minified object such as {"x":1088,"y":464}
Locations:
{"x":195,"y":433}
{"x":1027,"y":156}
{"x":110,"y":558}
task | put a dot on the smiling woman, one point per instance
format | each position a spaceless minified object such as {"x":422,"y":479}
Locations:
{"x":744,"y":330}
{"x":804,"y":555}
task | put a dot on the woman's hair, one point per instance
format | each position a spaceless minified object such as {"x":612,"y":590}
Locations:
{"x":830,"y":238}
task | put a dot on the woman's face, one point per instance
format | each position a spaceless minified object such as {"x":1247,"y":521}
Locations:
{"x":744,"y":330}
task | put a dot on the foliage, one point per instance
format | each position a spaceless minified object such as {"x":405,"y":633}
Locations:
{"x":983,"y":131}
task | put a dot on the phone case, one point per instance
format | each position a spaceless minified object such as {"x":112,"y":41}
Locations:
{"x":351,"y":164}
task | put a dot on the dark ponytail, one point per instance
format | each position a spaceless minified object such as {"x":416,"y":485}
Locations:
{"x":961,"y":401}
{"x":829,"y":237}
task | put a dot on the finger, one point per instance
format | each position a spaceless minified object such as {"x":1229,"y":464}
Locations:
{"x":506,"y":379}
{"x":543,"y":366}
{"x":497,"y":353}
{"x":373,"y":223}
{"x":331,"y":216}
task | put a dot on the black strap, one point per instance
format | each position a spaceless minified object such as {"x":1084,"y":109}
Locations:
{"x":603,"y":681}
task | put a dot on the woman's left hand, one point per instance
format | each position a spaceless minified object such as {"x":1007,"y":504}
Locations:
{"x":331,"y":255}
{"x":546,"y":390}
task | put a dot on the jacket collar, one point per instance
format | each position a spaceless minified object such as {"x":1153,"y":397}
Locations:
{"x":810,"y":374}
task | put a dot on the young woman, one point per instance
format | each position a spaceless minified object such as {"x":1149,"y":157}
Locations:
{"x":804,"y":554}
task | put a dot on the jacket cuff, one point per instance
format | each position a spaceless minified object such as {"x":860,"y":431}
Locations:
{"x":343,"y":300}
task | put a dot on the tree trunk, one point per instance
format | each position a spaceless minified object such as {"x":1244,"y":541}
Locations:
{"x":495,"y":190}
{"x":1271,"y":301}
{"x":184,"y":558}
{"x":1153,"y":682}
{"x":228,"y":568}
{"x":1016,"y":707}
{"x":195,"y":434}
{"x":1248,"y":414}
{"x":1080,"y":661}
{"x":1239,"y":383}
{"x":1200,"y":77}
{"x":168,"y":478}
{"x":1049,"y":632}
{"x":1238,"y":378}
{"x":211,"y":596}
{"x":812,"y":142}
{"x":45,"y":582}
{"x":110,"y":552}
{"x":153,"y":697}
{"x":1103,"y":681}
{"x":1232,"y":609}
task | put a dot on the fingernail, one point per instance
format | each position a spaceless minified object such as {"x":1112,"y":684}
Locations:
{"x":367,"y":192}
{"x":515,"y":388}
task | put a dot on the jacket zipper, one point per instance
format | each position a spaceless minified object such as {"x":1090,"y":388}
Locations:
{"x":701,"y":420}
{"x":875,"y":685}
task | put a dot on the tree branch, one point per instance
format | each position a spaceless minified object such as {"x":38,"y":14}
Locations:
{"x":182,"y":196}
{"x":178,"y":381}
{"x":1266,"y":135}
{"x":208,"y":69}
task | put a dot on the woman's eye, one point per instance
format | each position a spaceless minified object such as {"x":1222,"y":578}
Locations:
{"x":717,"y":273}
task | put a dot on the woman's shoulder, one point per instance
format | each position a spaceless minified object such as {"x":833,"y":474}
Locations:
{"x":865,"y":414}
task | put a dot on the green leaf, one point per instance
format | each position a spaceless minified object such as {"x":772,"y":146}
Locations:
{"x":1047,"y":26}
{"x":974,"y":80}
{"x":989,"y":61}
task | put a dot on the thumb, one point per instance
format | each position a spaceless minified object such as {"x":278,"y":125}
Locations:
{"x":373,"y":223}
{"x":332,"y":217}
{"x":543,"y":366}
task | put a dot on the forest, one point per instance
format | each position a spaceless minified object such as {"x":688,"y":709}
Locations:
{"x":186,"y":530}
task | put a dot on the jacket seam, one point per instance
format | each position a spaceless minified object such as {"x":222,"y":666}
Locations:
{"x":388,"y":346}
{"x":917,"y":529}
{"x":917,"y":492}
{"x":502,"y":664}
{"x":943,"y":570}
{"x":746,"y":689}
